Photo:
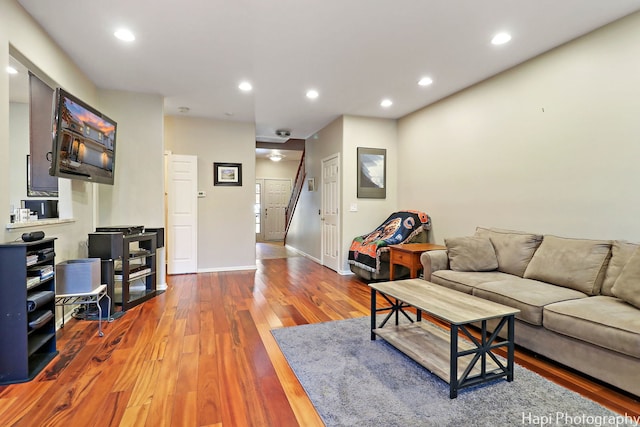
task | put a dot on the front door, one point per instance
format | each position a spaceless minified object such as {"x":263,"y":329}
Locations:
{"x":330,"y":212}
{"x":276,"y":199}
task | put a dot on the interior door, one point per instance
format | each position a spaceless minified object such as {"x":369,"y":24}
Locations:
{"x":276,"y":199}
{"x":330,"y":212}
{"x":182,"y":214}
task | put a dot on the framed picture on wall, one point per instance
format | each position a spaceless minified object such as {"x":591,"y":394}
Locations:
{"x":372,"y":173}
{"x":227,"y":174}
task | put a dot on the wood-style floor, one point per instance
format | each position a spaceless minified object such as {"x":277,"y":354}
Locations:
{"x":202,"y":354}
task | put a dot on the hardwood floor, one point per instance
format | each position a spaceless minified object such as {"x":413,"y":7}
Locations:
{"x":202,"y":354}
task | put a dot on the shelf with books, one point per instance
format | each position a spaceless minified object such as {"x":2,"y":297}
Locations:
{"x":27,"y":309}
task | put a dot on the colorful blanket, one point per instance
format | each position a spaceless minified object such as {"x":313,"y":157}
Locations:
{"x":400,"y":226}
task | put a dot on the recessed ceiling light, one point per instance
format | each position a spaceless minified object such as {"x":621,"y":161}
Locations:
{"x":245,"y":86}
{"x":386,"y":103}
{"x":501,"y":38}
{"x":312,"y":94}
{"x":11,"y":70}
{"x":425,"y":81}
{"x":124,"y":35}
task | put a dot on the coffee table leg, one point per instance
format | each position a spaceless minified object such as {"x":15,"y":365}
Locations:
{"x":453,"y":369}
{"x":510,"y":347}
{"x":373,"y":313}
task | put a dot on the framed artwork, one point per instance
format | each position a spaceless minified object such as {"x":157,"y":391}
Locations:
{"x":372,"y":173}
{"x":227,"y":174}
{"x":311,"y":184}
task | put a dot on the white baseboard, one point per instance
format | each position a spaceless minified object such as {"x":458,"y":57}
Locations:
{"x":68,"y":312}
{"x":220,"y":269}
{"x":304,"y":254}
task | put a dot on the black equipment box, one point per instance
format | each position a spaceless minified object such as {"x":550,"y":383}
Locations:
{"x":127,"y":230}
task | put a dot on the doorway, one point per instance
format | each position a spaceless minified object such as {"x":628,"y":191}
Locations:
{"x":182,"y":214}
{"x":330,"y":218}
{"x":272,"y":199}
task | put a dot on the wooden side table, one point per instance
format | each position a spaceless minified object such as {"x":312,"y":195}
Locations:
{"x":408,"y":255}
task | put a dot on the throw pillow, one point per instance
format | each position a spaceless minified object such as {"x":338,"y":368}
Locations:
{"x":621,"y":251}
{"x":471,"y":254}
{"x":573,"y":263}
{"x":627,"y":285}
{"x":514,"y":249}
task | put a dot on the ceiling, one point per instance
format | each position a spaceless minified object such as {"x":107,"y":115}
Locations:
{"x":354,"y":53}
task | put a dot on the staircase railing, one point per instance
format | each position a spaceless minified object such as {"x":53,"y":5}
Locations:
{"x":295,"y":195}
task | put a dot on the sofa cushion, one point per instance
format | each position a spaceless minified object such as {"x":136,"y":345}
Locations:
{"x":601,"y":320}
{"x":465,"y":281}
{"x":514,"y":249}
{"x":471,"y":254}
{"x":627,"y":285}
{"x":573,"y":263}
{"x":621,"y":251}
{"x":528,"y":296}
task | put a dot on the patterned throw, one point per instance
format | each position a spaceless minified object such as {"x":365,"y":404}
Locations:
{"x":365,"y":250}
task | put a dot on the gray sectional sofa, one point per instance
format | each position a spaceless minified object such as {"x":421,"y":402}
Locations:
{"x":579,"y":299}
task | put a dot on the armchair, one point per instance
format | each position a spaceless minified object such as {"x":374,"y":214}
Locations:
{"x":369,"y":253}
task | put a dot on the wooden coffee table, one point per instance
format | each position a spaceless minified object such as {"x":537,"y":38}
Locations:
{"x":462,"y":362}
{"x":408,"y":254}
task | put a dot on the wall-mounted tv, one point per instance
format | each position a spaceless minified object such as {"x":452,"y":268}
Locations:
{"x":84,"y":141}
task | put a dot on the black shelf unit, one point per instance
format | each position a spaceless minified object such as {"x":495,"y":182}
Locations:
{"x":134,"y":265}
{"x":25,"y":350}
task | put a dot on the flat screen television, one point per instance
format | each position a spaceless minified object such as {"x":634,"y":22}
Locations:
{"x":84,"y":141}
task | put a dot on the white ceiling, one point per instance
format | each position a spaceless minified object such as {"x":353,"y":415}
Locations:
{"x":353,"y":52}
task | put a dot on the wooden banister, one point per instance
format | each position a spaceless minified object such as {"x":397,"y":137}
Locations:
{"x":295,"y":195}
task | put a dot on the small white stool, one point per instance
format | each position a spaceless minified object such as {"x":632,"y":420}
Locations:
{"x":87,"y":298}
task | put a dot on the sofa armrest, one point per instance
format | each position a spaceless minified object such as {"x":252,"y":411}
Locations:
{"x":434,"y":261}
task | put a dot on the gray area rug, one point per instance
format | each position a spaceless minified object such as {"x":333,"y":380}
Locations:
{"x":353,"y":381}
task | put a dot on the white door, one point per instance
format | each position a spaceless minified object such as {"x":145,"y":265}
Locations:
{"x":182,"y":214}
{"x":330,"y":212}
{"x":276,"y":199}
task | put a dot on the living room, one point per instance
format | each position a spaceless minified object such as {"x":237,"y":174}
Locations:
{"x":547,"y":146}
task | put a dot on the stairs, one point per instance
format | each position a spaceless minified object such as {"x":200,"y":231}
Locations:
{"x":295,"y":195}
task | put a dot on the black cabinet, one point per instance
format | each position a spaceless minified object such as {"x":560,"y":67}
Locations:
{"x":134,"y":265}
{"x":27,"y":309}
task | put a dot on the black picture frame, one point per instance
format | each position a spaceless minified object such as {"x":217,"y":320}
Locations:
{"x":372,"y":173}
{"x":227,"y":174}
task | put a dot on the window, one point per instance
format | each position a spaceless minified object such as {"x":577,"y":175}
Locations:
{"x":257,"y":207}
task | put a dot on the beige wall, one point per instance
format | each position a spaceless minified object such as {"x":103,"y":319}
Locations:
{"x":284,"y":169}
{"x":550,"y":146}
{"x":138,"y":193}
{"x":19,"y":144}
{"x":137,"y":196}
{"x":343,"y":136}
{"x":18,"y":30}
{"x":226,"y":221}
{"x":369,"y":133}
{"x":304,"y":232}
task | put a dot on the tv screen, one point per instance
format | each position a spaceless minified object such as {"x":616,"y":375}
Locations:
{"x":84,"y":141}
